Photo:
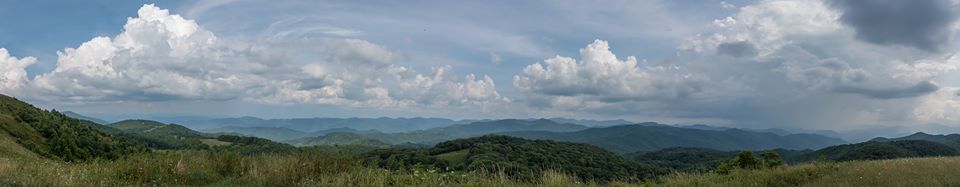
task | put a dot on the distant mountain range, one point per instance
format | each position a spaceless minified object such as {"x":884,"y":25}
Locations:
{"x":82,"y":117}
{"x":396,"y":125}
{"x":435,"y":135}
{"x":652,"y":136}
{"x":506,"y":125}
{"x":389,"y":125}
{"x":384,"y":124}
{"x":620,"y":138}
{"x":613,"y":135}
{"x":591,"y":123}
{"x":339,"y":138}
{"x":282,"y":133}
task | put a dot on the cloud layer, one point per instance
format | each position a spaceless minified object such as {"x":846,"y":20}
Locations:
{"x":772,"y":63}
{"x":775,"y":62}
{"x":162,"y":57}
{"x":924,"y":24}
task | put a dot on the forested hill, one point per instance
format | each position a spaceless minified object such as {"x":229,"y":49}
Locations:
{"x":952,"y":140}
{"x":652,"y":136}
{"x":874,"y":150}
{"x":157,"y":135}
{"x":56,"y":136}
{"x":517,"y":157}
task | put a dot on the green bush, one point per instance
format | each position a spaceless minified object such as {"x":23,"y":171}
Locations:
{"x":746,"y":161}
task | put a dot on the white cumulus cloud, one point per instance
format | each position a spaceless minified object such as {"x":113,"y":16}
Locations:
{"x":161,"y":56}
{"x":601,"y":76}
{"x":12,"y":71}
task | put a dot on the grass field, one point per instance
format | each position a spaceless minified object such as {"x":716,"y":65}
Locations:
{"x":213,"y":142}
{"x":178,"y":168}
{"x":935,"y":171}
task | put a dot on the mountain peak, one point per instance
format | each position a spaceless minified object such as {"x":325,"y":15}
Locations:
{"x":249,"y":118}
{"x":920,"y":134}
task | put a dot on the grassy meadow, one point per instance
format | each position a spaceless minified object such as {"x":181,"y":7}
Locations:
{"x":205,"y":168}
{"x":932,"y":171}
{"x":314,"y":168}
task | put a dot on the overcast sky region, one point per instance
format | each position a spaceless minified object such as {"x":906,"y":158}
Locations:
{"x":814,"y":64}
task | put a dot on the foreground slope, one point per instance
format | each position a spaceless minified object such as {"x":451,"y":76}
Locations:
{"x":54,"y":135}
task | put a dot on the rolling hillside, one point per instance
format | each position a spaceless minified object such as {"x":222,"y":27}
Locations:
{"x":272,"y":133}
{"x":162,"y":136}
{"x":56,"y":136}
{"x":882,"y":150}
{"x":652,"y":136}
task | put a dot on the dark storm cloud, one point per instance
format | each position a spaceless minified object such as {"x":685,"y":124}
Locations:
{"x":924,"y":24}
{"x":737,"y":49}
{"x":919,"y":89}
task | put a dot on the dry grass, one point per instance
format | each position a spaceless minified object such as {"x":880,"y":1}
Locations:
{"x":213,"y":142}
{"x":938,"y":171}
{"x":202,"y":168}
{"x":10,"y":148}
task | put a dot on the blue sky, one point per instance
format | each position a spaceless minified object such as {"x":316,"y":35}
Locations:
{"x":767,"y":63}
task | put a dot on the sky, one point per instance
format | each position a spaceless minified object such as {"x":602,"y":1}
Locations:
{"x":812,"y":64}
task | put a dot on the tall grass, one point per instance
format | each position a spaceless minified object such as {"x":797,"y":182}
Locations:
{"x":191,"y":168}
{"x":206,"y":168}
{"x":935,"y":171}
